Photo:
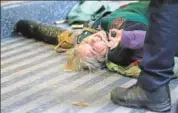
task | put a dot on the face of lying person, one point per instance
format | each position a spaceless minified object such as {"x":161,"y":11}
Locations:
{"x":94,"y":45}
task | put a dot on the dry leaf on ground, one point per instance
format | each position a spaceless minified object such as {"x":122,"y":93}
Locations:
{"x":82,"y":104}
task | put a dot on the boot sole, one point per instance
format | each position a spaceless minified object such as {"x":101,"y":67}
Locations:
{"x":163,"y":107}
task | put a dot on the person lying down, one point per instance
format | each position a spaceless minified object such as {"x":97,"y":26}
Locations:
{"x":95,"y":46}
{"x":97,"y":49}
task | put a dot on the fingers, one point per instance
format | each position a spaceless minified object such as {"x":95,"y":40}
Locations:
{"x":114,"y":30}
{"x":117,"y":33}
{"x":111,"y":31}
{"x":110,"y":37}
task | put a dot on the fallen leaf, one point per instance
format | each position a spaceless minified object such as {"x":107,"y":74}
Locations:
{"x":82,"y":104}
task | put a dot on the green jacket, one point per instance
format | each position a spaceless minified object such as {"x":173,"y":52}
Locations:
{"x":137,"y":12}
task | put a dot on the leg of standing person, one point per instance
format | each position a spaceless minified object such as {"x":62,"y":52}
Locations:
{"x":152,"y":90}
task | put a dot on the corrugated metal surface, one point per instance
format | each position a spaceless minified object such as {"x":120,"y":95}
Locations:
{"x":33,"y":81}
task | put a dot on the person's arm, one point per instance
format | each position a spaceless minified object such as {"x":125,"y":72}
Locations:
{"x":133,"y":39}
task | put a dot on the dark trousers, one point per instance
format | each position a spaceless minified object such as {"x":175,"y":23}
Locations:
{"x":161,"y":44}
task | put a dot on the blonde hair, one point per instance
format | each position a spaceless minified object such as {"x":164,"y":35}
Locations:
{"x":76,"y":62}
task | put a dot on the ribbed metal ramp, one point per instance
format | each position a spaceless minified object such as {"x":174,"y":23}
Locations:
{"x":33,"y":81}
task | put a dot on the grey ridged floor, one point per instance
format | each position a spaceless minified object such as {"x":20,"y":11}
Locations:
{"x":33,"y":81}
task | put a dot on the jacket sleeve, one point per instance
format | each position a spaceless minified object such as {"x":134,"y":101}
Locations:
{"x":133,"y":39}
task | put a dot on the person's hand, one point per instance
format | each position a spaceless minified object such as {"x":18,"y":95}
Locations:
{"x":116,"y":32}
{"x":114,"y":40}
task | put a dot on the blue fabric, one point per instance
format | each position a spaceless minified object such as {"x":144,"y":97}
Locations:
{"x":160,"y":45}
{"x":46,"y":12}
